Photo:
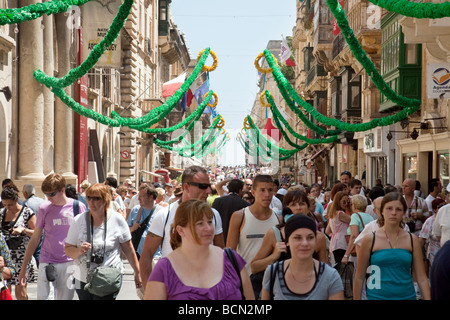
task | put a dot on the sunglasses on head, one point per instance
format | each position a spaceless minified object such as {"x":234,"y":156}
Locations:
{"x":52,"y":194}
{"x":202,"y":186}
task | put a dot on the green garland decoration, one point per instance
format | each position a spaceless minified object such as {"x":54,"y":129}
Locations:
{"x":34,"y":11}
{"x":164,"y":111}
{"x":207,"y":138}
{"x":416,"y":10}
{"x":362,"y":57}
{"x":181,"y":136}
{"x":250,"y":151}
{"x":278,"y":116}
{"x":215,"y":149}
{"x":196,"y":151}
{"x":79,"y":71}
{"x":267,"y":145}
{"x":410,"y":105}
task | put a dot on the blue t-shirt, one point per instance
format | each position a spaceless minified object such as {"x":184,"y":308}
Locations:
{"x":356,"y":221}
{"x":144,"y":215}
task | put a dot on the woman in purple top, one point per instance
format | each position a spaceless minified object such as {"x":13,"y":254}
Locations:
{"x":196,"y":269}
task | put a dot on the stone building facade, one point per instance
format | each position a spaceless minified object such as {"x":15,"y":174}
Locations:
{"x":39,"y":134}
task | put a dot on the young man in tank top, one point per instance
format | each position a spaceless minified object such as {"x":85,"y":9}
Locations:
{"x":249,"y":225}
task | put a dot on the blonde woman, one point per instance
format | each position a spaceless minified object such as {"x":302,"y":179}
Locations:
{"x":196,"y":269}
{"x":359,"y":220}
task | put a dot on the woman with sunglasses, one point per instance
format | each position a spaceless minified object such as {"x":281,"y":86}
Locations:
{"x":110,"y":235}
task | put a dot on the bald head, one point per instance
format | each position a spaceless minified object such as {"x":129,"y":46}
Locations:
{"x":377,"y":205}
{"x":408,"y":186}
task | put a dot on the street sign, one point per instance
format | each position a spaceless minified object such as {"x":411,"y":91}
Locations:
{"x":125,"y":154}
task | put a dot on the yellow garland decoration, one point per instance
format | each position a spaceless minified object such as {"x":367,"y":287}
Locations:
{"x":263,"y":103}
{"x":246,"y":124}
{"x":268,"y":70}
{"x":221,"y":123}
{"x":215,"y":63}
{"x":216,"y":100}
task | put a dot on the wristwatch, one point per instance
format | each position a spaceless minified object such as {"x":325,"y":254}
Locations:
{"x":346,"y":256}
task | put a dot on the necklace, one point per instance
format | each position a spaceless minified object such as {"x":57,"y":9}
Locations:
{"x":302,"y":281}
{"x":387,"y":237}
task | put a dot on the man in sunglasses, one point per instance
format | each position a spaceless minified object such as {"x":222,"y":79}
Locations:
{"x":196,"y":185}
{"x":53,"y":221}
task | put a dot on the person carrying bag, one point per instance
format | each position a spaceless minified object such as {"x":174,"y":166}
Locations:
{"x":102,"y":280}
{"x":101,"y":224}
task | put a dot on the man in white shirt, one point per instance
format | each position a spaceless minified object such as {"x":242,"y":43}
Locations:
{"x":168,"y":188}
{"x":435,"y":188}
{"x":196,"y":185}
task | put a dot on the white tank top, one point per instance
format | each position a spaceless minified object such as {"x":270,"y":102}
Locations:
{"x":252,"y":234}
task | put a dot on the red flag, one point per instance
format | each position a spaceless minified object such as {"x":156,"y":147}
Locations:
{"x":290,"y":63}
{"x":173,"y":85}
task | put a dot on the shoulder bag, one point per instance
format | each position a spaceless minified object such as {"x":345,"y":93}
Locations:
{"x":233,"y":260}
{"x":102,"y":280}
{"x":136,"y":235}
{"x":13,"y":241}
{"x":347,"y":236}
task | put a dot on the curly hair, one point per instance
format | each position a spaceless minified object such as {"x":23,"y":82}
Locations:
{"x":10,"y":193}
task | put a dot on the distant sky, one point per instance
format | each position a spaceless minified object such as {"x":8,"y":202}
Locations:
{"x":237,"y":31}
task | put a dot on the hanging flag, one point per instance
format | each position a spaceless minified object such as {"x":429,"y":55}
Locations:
{"x":286,"y":53}
{"x":202,"y":90}
{"x":173,"y":85}
{"x":183,"y":104}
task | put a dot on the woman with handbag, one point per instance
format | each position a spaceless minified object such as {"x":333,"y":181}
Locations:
{"x":95,"y":240}
{"x":196,"y":269}
{"x":17,"y":226}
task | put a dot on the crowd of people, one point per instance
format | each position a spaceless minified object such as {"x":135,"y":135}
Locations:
{"x":228,"y":233}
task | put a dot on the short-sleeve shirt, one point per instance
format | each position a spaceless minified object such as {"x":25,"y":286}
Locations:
{"x":117,"y":232}
{"x":226,"y":289}
{"x":328,"y":283}
{"x":55,"y":221}
{"x":356,"y":221}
